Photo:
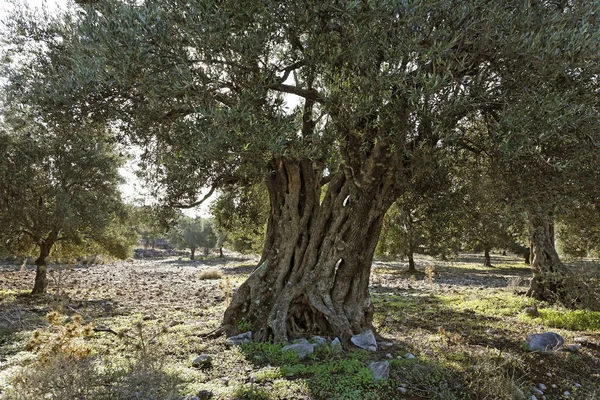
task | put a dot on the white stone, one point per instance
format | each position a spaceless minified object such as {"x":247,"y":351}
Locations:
{"x":380,"y":369}
{"x":409,"y":356}
{"x":245,"y":337}
{"x":336,"y":345}
{"x":302,"y":349}
{"x":365,"y":340}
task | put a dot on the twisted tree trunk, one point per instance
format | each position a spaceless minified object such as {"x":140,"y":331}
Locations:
{"x":549,"y":273}
{"x":317,"y":255}
{"x":41,"y":280}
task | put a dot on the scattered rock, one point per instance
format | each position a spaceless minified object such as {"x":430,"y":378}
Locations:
{"x":533,"y":397}
{"x":428,"y":353}
{"x":403,"y":390}
{"x":302,"y":349}
{"x":365,"y":340}
{"x":577,"y":385}
{"x":537,"y":391}
{"x":225,"y":381}
{"x":399,"y":357}
{"x":567,"y":393}
{"x":336,"y":345}
{"x":581,"y":340}
{"x":545,"y":342}
{"x":205,"y":395}
{"x":574,"y":348}
{"x":410,"y":356}
{"x":380,"y":369}
{"x":532,"y":311}
{"x":202,"y":361}
{"x":549,"y":374}
{"x":319,"y":340}
{"x":239,"y":339}
{"x":300,"y":341}
{"x":388,"y":355}
{"x":385,"y":344}
{"x":542,"y":386}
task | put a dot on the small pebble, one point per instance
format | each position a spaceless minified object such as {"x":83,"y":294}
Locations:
{"x":567,"y":393}
{"x":399,"y":357}
{"x":537,"y":391}
{"x":549,"y":374}
{"x":409,"y":356}
{"x":554,"y":386}
{"x":542,"y":386}
{"x":533,"y":397}
{"x":577,"y":385}
{"x":388,"y":355}
{"x":403,"y":390}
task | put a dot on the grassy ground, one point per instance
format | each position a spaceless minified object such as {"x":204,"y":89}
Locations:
{"x":464,"y":324}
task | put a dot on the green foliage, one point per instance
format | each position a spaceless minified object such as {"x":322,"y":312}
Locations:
{"x":193,"y":233}
{"x":577,"y":231}
{"x":574,"y":320}
{"x":269,"y":353}
{"x":241,"y":214}
{"x":60,"y":187}
{"x":147,"y":223}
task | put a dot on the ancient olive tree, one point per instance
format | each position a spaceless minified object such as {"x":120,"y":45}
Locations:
{"x":58,"y":189}
{"x":330,"y":104}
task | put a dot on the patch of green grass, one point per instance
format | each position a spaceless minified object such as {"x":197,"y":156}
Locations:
{"x":341,"y":379}
{"x":269,"y":353}
{"x":496,"y":304}
{"x":573,"y":320}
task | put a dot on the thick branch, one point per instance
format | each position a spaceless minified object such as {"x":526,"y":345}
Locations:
{"x":309,"y":94}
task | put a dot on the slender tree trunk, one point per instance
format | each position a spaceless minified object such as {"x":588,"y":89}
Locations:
{"x":317,"y":255}
{"x":487,"y":259}
{"x":221,"y":252}
{"x":41,"y":281}
{"x":549,"y":273}
{"x":192,"y":252}
{"x":411,"y":260}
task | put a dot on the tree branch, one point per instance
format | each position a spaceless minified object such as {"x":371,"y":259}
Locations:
{"x":309,"y":94}
{"x":197,"y":203}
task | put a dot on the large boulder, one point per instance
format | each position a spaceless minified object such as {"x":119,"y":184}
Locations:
{"x":546,"y":342}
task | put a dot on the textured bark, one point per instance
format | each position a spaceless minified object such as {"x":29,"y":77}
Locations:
{"x":192,"y":253}
{"x":41,"y":280}
{"x":411,"y":262}
{"x":549,"y":273}
{"x":315,"y":268}
{"x":487,"y":262}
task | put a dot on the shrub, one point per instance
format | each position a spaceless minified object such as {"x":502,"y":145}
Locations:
{"x":211,"y":273}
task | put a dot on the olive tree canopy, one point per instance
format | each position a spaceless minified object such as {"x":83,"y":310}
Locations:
{"x":334,"y":105}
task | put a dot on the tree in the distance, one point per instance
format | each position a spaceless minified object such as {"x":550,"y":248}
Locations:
{"x":193,"y":233}
{"x":380,"y":86}
{"x":58,"y":187}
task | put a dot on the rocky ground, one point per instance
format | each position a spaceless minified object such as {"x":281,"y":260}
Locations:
{"x":455,"y":331}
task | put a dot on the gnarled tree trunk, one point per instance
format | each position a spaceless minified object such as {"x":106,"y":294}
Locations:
{"x":549,"y":273}
{"x":317,"y":255}
{"x":41,"y":280}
